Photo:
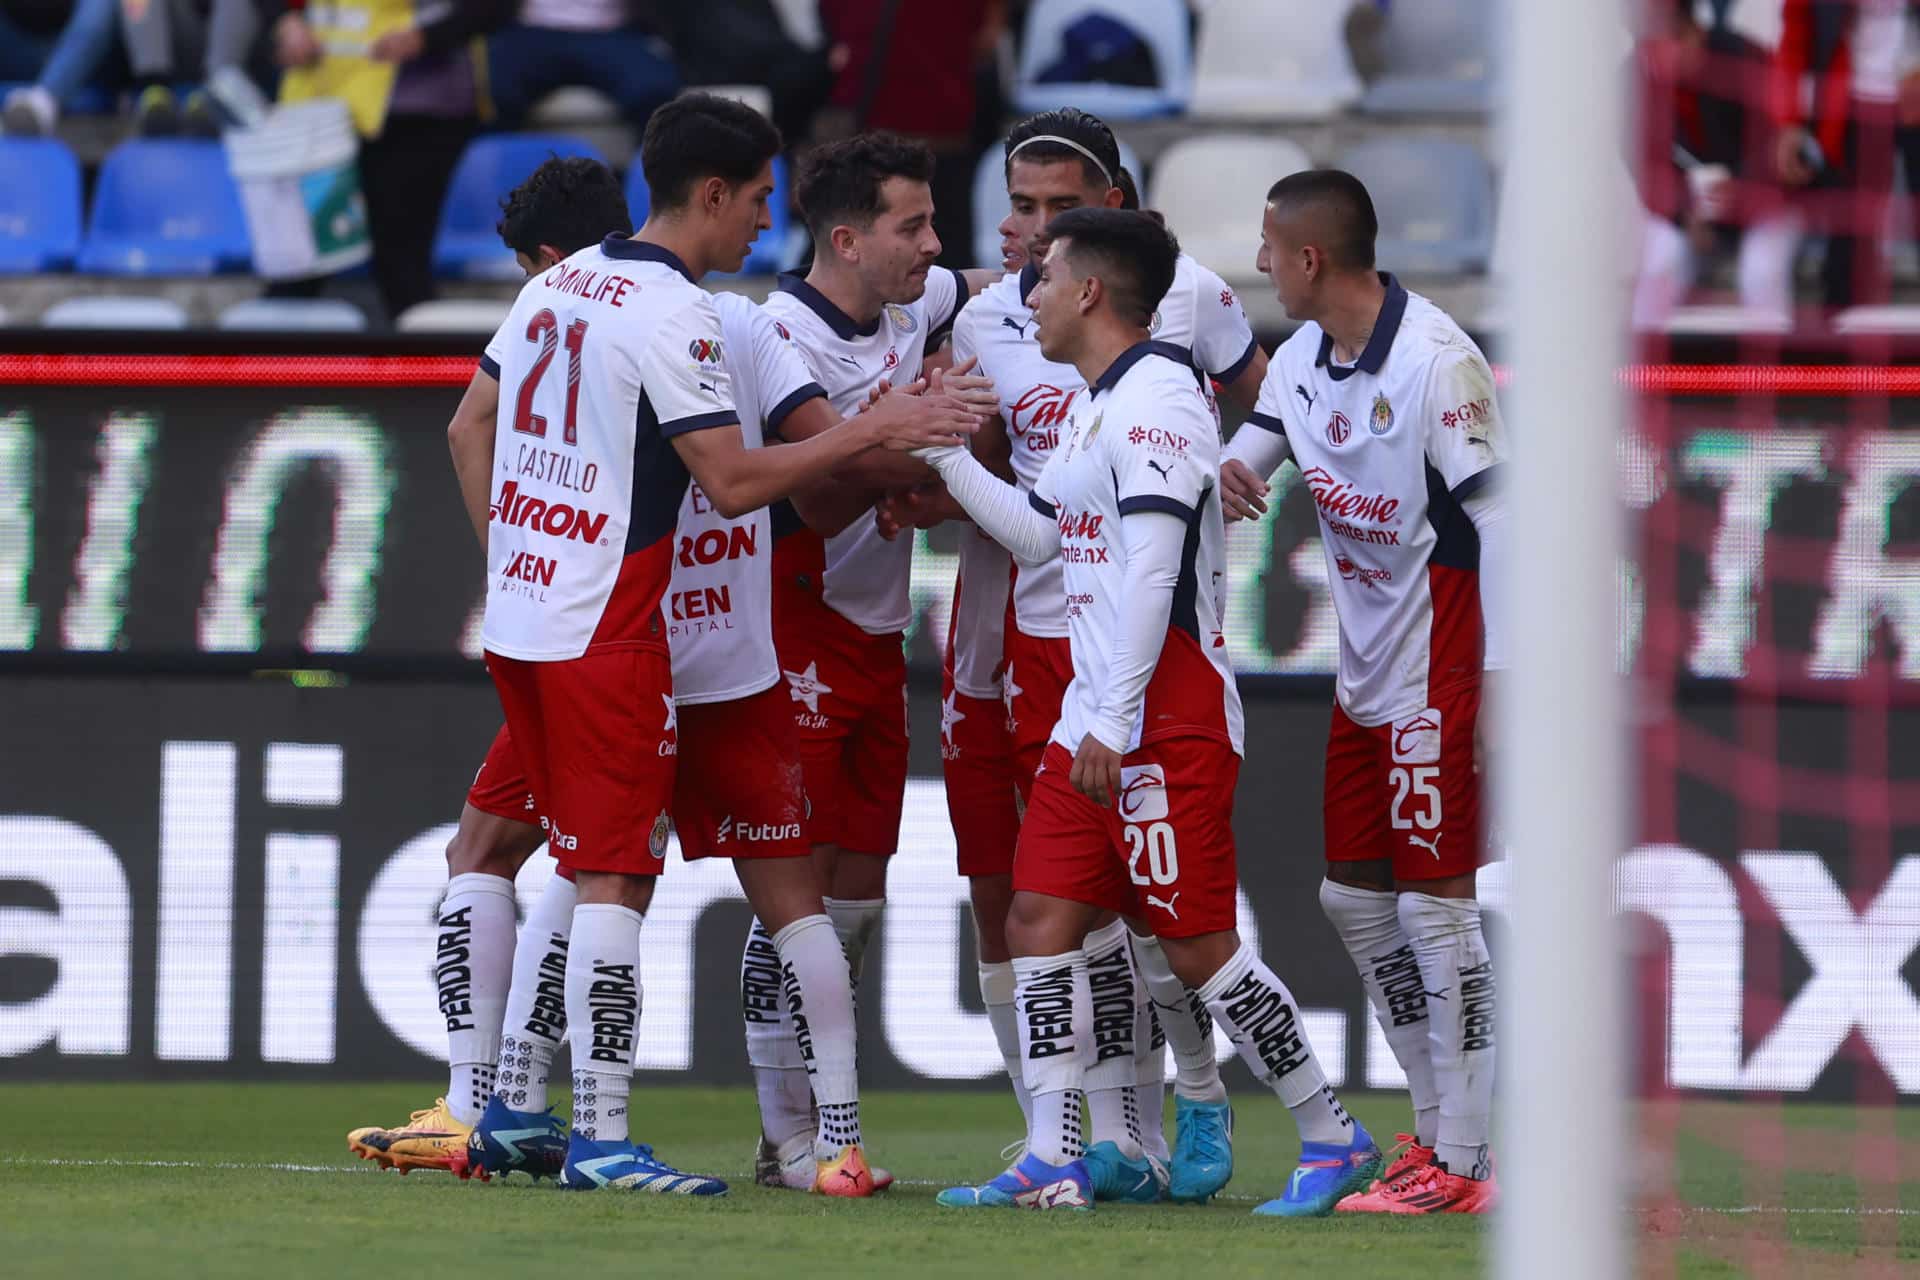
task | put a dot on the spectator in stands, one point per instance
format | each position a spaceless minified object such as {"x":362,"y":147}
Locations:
{"x":57,"y":47}
{"x":169,"y":41}
{"x":415,"y":101}
{"x":614,"y":46}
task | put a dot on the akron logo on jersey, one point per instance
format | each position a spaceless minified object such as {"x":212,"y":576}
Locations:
{"x":901,"y":317}
{"x":705,"y":350}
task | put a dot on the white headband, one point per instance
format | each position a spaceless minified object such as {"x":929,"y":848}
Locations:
{"x":1065,"y":142}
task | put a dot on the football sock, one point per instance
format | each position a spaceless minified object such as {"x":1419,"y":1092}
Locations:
{"x":536,"y":1019}
{"x":996,"y":992}
{"x":1112,"y":1111}
{"x":855,"y":920}
{"x":1260,"y":1017}
{"x":819,"y":999}
{"x":1185,"y":1021}
{"x":603,"y":1016}
{"x":473,"y":965}
{"x":1149,"y":1069}
{"x":1445,"y":933}
{"x":1368,"y":922}
{"x":1053,"y":999}
{"x":779,"y":1071}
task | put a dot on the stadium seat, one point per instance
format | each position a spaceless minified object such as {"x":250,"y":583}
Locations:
{"x":39,"y":206}
{"x":1439,"y":58}
{"x":1434,"y":198}
{"x":1713,"y":321}
{"x":481,"y":316}
{"x":1897,"y":318}
{"x":294,"y":315}
{"x":771,"y":253}
{"x":990,"y":205}
{"x":1162,"y":24}
{"x":107,"y":311}
{"x":165,"y":207}
{"x":466,"y":245}
{"x":1212,"y":190}
{"x":1273,"y":60}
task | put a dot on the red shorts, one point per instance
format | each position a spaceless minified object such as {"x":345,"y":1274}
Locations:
{"x":1039,"y":669}
{"x":738,"y":794}
{"x":976,"y":755}
{"x":1407,"y":792}
{"x":500,"y":788}
{"x":848,"y":694}
{"x":596,"y":737}
{"x":1163,"y":854}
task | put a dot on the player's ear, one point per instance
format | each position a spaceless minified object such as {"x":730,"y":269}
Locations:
{"x":845,"y":242}
{"x":713,"y":194}
{"x":1115,"y":198}
{"x":1092,"y":289}
{"x":548,"y":256}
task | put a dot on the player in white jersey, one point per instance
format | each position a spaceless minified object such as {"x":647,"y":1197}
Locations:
{"x":1388,"y":410}
{"x":1130,"y":811}
{"x":574,"y":633}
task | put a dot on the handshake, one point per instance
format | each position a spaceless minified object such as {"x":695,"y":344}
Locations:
{"x":958,"y":388}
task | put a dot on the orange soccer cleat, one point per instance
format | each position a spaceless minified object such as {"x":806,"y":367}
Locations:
{"x":846,"y":1175}
{"x":1427,"y":1188}
{"x":1406,"y":1156}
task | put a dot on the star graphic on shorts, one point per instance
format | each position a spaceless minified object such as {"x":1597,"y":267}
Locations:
{"x":805,"y":686}
{"x":950,"y":715}
{"x":673,"y":716}
{"x":1008,"y":692}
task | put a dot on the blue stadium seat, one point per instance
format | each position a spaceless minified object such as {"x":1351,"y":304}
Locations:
{"x":1434,"y":198}
{"x":1162,"y":24}
{"x":87,"y":100}
{"x":40,"y":217}
{"x":769,"y":253}
{"x":466,"y":245}
{"x":1439,"y":58}
{"x":165,"y":207}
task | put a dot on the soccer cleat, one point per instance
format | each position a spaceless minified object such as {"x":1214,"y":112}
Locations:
{"x":1202,"y":1150}
{"x":625,"y":1166}
{"x":1328,"y":1173}
{"x":1427,"y":1188}
{"x":508,"y":1141}
{"x":846,"y":1175}
{"x":1406,"y":1156}
{"x":791,"y":1166}
{"x":1116,"y":1178}
{"x":429,"y":1140}
{"x":1031,"y":1184}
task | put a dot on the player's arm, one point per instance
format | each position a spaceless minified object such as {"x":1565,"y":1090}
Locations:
{"x":829,"y":507}
{"x":1244,"y":388}
{"x":470,"y":439}
{"x":1022,"y":522}
{"x":1223,"y":343}
{"x":1254,"y":454}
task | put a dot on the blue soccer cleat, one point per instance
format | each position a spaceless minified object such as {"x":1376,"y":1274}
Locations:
{"x":508,"y":1141}
{"x":1031,"y":1184}
{"x":623,"y":1166}
{"x":1202,"y":1150}
{"x":1124,"y":1181}
{"x":1328,"y":1173}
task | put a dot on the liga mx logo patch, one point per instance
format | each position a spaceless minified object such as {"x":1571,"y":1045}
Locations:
{"x":1416,"y":739}
{"x":705,"y":350}
{"x":1143,"y":793}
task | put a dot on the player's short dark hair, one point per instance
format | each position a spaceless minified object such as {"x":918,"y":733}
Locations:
{"x":699,"y":135}
{"x":840,"y":182}
{"x":1075,"y":125}
{"x":1341,"y":207}
{"x":569,"y":202}
{"x":1132,"y":253}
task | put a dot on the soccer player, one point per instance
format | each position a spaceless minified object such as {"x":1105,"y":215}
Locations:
{"x":581,"y":548}
{"x":1130,"y":809}
{"x":1388,"y":410}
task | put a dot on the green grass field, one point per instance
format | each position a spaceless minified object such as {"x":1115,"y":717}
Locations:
{"x":219,"y":1180}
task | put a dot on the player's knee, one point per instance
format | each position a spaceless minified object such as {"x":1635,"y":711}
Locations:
{"x":1376,"y":875}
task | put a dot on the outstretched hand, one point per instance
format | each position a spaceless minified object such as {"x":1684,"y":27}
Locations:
{"x":1242,"y":493}
{"x":972,"y":389}
{"x":911,"y":418}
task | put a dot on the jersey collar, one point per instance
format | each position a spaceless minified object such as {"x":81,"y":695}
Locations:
{"x":837,"y":320}
{"x":1134,"y":355}
{"x":619,"y":246}
{"x":1029,"y":277}
{"x":1392,"y":311}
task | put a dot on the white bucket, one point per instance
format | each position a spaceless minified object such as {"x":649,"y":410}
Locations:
{"x":299,"y":184}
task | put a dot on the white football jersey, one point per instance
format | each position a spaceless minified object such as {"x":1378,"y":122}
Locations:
{"x":1145,"y":437}
{"x":1199,"y":315}
{"x":1389,"y":447}
{"x":977,"y":627}
{"x":603,"y":359}
{"x":863,"y":576}
{"x":720,"y":602}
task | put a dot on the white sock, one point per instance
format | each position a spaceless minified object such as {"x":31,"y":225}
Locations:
{"x":1445,"y":933}
{"x":1261,"y":1018}
{"x":1368,"y":922}
{"x":1112,"y":1111}
{"x":473,"y":965}
{"x":996,"y":992}
{"x":819,"y":999}
{"x":537,"y":1005}
{"x":603,"y":1016}
{"x":855,"y":920}
{"x":1149,"y":1066}
{"x":779,"y":1072}
{"x":1186,"y":1023}
{"x":1055,"y":1015}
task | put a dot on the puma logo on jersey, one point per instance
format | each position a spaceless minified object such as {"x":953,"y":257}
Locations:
{"x":1304,"y":394}
{"x":1166,"y":476}
{"x":708,"y":387}
{"x":1431,"y":846}
{"x":1166,"y":906}
{"x":1064,"y":1194}
{"x":1015,"y":325}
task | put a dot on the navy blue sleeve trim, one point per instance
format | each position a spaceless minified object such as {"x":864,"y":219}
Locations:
{"x":1041,"y":505}
{"x":1233,"y":371}
{"x":1268,"y":421}
{"x":1477,"y":481}
{"x":799,"y":396}
{"x":1158,"y":502}
{"x":945,"y":327}
{"x":490,"y":367}
{"x":700,"y":422}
